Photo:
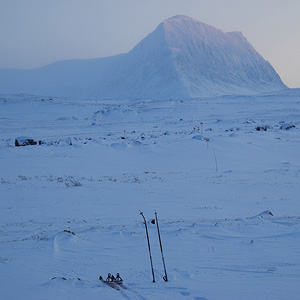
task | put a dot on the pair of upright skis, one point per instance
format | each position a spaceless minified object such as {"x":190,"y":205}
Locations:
{"x":165,"y":278}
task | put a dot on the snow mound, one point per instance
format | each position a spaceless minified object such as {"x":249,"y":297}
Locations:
{"x":181,"y":58}
{"x":287,"y":126}
{"x":266,"y":214}
{"x":2,"y":261}
{"x":198,"y":137}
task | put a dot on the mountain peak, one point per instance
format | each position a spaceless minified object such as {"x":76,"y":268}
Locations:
{"x":185,"y":22}
{"x":181,"y":18}
{"x":210,"y":61}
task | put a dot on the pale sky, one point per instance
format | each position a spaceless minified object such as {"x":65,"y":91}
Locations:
{"x":34,"y":33}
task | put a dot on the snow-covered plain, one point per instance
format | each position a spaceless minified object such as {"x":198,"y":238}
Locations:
{"x":227,"y":197}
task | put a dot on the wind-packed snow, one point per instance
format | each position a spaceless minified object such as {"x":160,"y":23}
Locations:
{"x":182,"y":58}
{"x":227,"y":197}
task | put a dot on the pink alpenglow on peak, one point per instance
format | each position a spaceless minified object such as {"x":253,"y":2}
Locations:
{"x":181,"y":58}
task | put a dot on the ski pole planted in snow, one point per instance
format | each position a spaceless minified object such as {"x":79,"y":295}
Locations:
{"x":148,"y":245}
{"x":161,"y":249}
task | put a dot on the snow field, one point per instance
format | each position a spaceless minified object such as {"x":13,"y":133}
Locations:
{"x":70,"y":207}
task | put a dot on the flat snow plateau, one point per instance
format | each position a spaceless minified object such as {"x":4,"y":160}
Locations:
{"x":227,"y":197}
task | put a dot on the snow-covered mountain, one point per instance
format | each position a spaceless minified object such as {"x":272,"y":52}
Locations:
{"x":182,"y":58}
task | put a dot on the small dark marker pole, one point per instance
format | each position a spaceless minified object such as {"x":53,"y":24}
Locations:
{"x":161,"y":249}
{"x":148,"y":245}
{"x":215,"y":160}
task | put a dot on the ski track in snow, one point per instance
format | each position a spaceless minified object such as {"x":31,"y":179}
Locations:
{"x":69,"y":209}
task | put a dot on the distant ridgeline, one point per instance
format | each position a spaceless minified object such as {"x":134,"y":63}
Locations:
{"x":182,"y":58}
